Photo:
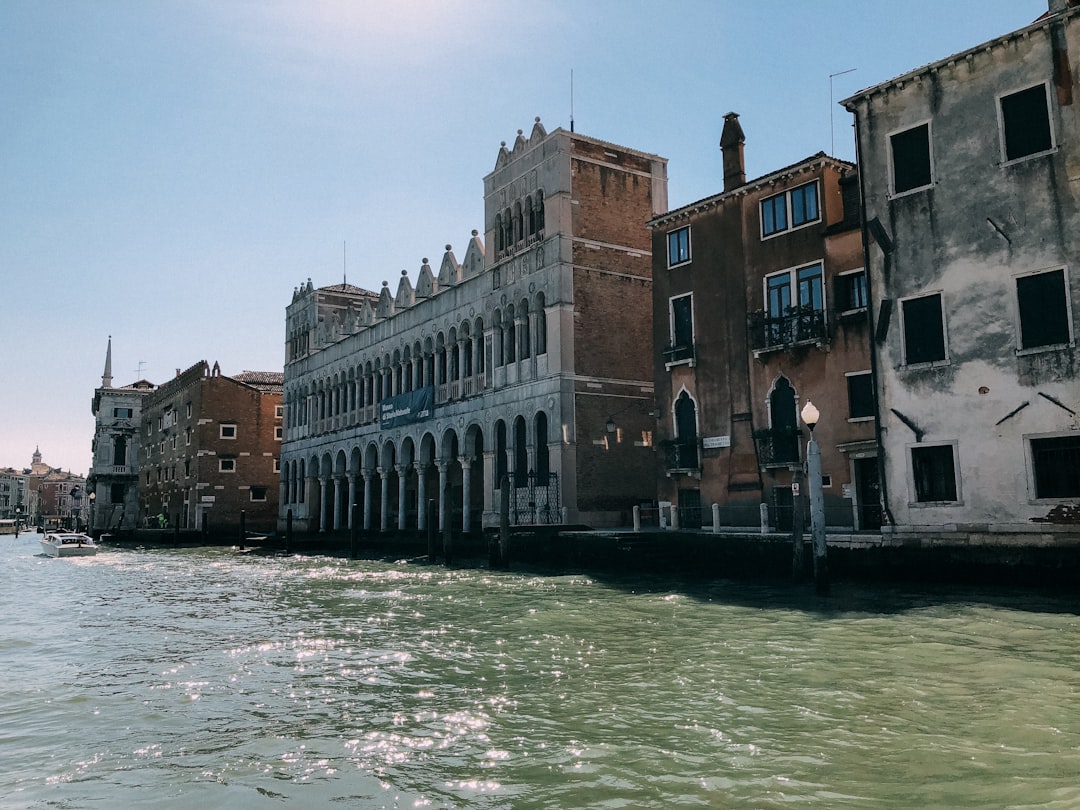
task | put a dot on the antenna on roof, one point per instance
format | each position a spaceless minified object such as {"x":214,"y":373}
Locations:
{"x":571,"y":99}
{"x":344,"y":278}
{"x":832,"y":137}
{"x":138,"y":371}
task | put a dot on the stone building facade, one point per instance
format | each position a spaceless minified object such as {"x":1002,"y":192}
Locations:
{"x":57,"y":498}
{"x":211,"y":450}
{"x":759,"y":306}
{"x":969,"y":169}
{"x":524,"y":366}
{"x":14,"y":493}
{"x":113,"y":480}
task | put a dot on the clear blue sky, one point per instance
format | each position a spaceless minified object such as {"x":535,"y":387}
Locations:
{"x":171,"y":169}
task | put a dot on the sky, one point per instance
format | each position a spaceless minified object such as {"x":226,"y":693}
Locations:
{"x":170,"y":170}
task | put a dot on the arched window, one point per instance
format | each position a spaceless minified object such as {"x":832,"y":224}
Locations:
{"x":784,"y":422}
{"x":539,"y":211}
{"x":543,"y":463}
{"x":120,"y":451}
{"x":521,"y":453}
{"x":540,"y":339}
{"x":500,"y":244}
{"x":686,"y":455}
{"x":526,"y":333}
{"x":510,"y":337}
{"x":530,"y":216}
{"x":500,"y":452}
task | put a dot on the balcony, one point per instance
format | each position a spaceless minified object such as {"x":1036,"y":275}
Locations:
{"x":801,"y":326}
{"x":675,"y":355}
{"x":777,"y":447}
{"x":680,"y":456}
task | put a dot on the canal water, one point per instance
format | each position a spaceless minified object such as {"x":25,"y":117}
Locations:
{"x":204,"y":678}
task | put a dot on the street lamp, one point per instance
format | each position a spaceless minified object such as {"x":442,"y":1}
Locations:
{"x":93,"y":499}
{"x":810,"y":416}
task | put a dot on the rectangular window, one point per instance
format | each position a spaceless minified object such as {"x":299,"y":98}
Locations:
{"x":804,"y":205}
{"x":924,"y":330}
{"x":116,"y":493}
{"x":1025,"y":123}
{"x":1043,"y":306}
{"x":850,"y":291}
{"x":279,"y":411}
{"x":228,"y":431}
{"x":934,"y":472}
{"x":1056,"y":466}
{"x":860,"y":386}
{"x":278,"y":432}
{"x":774,"y":215}
{"x":277,"y":465}
{"x":258,"y":493}
{"x":798,"y":207}
{"x":681,"y":330}
{"x":678,"y":246}
{"x":123,"y":413}
{"x":226,"y":465}
{"x":911,"y":159}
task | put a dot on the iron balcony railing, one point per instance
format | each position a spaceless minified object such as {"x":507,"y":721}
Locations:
{"x":800,"y":325}
{"x":777,"y":446}
{"x":680,"y":455}
{"x":677,"y":354}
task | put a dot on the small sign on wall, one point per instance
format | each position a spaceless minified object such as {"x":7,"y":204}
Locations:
{"x":712,"y":442}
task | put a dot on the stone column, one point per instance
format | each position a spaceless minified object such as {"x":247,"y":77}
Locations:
{"x":421,"y":496}
{"x":384,"y":503}
{"x":466,"y":493}
{"x":337,"y":502}
{"x":322,"y":504}
{"x":442,"y":467}
{"x":401,"y":469}
{"x":490,"y":484}
{"x":367,"y":499}
{"x":352,"y":498}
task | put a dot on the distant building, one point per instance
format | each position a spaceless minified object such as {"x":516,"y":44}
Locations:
{"x":14,"y":493}
{"x":57,"y":498}
{"x":525,"y":367}
{"x":759,"y":306}
{"x":114,"y":472}
{"x":211,"y":450}
{"x":969,"y":168}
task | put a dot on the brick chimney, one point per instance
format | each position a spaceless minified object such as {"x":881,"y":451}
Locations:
{"x":731,"y":144}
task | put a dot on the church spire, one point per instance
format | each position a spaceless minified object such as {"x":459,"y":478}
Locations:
{"x":106,"y":378}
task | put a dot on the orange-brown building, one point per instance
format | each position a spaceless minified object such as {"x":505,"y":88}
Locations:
{"x":759,"y":306}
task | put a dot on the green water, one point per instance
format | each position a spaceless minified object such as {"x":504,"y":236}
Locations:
{"x":200,"y":678}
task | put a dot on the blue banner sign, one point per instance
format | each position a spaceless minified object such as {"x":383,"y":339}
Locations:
{"x":404,"y":409}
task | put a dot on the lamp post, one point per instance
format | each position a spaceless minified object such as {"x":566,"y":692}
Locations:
{"x":18,"y":517}
{"x":810,"y":417}
{"x":93,"y":499}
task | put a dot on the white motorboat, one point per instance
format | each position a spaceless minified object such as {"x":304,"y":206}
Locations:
{"x":68,"y":544}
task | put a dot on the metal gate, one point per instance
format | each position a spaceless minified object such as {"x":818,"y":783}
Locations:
{"x":534,"y":500}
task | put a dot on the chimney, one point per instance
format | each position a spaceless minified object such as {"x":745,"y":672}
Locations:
{"x":731,"y":144}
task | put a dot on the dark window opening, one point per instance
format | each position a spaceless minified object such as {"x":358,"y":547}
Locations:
{"x":860,"y":395}
{"x":258,"y":493}
{"x":1026,"y":122}
{"x":682,"y":321}
{"x":116,"y":493}
{"x":935,"y":473}
{"x":1044,"y":313}
{"x":924,"y":330}
{"x":851,"y":291}
{"x":1056,"y":464}
{"x":911,"y":158}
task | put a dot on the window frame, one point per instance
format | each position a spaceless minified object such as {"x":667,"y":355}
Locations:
{"x":1070,"y":341}
{"x":1032,"y":476}
{"x":793,"y":287}
{"x":671,"y":236}
{"x":788,"y":208}
{"x":231,"y":462}
{"x":945,"y":360}
{"x":691,"y":353}
{"x":843,"y":278}
{"x":893,"y":193}
{"x":868,"y":373}
{"x":1002,"y":140}
{"x":227,"y":425}
{"x":913,"y":494}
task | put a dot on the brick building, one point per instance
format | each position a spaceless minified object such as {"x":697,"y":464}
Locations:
{"x":56,"y":497}
{"x":759,"y":306}
{"x":525,"y":363}
{"x":113,"y":481}
{"x":211,"y":449}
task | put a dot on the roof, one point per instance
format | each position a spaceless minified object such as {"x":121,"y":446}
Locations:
{"x":767,"y":179}
{"x":267,"y":381}
{"x":1045,"y":21}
